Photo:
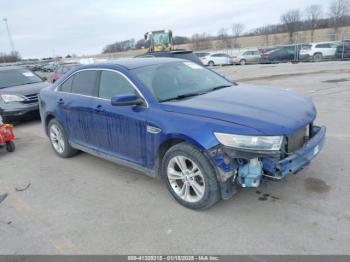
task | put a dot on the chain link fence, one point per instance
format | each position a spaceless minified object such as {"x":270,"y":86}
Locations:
{"x":279,"y":48}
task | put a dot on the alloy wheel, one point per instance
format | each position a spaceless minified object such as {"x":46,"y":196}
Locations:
{"x":56,"y":138}
{"x":186,"y":178}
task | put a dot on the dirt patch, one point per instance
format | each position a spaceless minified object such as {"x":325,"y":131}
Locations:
{"x":265,"y":196}
{"x":336,"y":80}
{"x":316,"y":185}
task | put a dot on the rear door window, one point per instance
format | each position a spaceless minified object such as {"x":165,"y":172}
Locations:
{"x":113,"y":84}
{"x":323,"y":46}
{"x":84,"y":83}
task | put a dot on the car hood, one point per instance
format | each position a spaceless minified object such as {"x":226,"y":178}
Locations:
{"x":269,"y":111}
{"x":24,"y":89}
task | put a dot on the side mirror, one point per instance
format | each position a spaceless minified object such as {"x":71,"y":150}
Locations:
{"x":126,"y":100}
{"x":44,"y":78}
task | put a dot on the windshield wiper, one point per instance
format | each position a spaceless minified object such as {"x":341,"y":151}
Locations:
{"x":195,"y":94}
{"x":183,"y":96}
{"x":219,"y":87}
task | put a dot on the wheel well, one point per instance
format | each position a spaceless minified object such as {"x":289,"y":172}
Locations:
{"x":317,"y":53}
{"x":163,"y":148}
{"x":47,"y":120}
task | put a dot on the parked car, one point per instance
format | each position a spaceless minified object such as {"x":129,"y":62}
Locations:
{"x":343,"y":50}
{"x":247,"y":57}
{"x":201,"y":55}
{"x":175,"y":119}
{"x":282,"y":54}
{"x":266,"y":49}
{"x":48,"y":67}
{"x":318,"y":51}
{"x":19,"y":88}
{"x":217,"y":59}
{"x":35,"y":68}
{"x":61,"y":70}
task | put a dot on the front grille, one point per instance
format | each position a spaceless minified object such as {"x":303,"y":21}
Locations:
{"x":33,"y":98}
{"x":296,"y":140}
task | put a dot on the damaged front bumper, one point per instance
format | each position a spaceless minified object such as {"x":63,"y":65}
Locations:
{"x":248,"y":168}
{"x":296,"y":161}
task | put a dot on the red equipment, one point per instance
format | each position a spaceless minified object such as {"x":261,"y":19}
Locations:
{"x":7,"y":137}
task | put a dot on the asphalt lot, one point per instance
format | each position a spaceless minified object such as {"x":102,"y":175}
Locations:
{"x":85,"y":205}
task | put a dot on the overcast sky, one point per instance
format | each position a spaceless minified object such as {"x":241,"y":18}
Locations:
{"x":41,"y":28}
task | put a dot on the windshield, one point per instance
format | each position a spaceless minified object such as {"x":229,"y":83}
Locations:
{"x":161,"y":38}
{"x":17,"y":77}
{"x":179,"y":80}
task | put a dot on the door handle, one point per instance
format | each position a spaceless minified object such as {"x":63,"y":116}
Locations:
{"x":99,"y":109}
{"x":60,"y":101}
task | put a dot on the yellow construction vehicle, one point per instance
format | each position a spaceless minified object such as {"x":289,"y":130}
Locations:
{"x":160,"y":40}
{"x":161,"y":45}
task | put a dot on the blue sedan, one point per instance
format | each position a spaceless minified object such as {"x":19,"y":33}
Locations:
{"x":172,"y":118}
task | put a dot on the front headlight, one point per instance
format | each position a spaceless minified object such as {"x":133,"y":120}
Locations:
{"x":250,"y":142}
{"x":12,"y":98}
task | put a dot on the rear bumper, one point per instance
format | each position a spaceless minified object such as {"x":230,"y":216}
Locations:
{"x":299,"y":159}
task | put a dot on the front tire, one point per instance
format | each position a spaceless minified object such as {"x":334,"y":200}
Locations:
{"x":211,"y":63}
{"x":317,"y":57}
{"x":10,"y":146}
{"x":59,"y":140}
{"x":190,"y":177}
{"x":242,"y":62}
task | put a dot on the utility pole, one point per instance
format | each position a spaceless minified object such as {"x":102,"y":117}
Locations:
{"x":9,"y":35}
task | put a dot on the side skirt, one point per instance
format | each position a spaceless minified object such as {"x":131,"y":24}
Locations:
{"x":118,"y":161}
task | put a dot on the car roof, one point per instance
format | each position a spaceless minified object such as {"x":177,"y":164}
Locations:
{"x":330,"y":42}
{"x":137,"y":62}
{"x":246,"y":50}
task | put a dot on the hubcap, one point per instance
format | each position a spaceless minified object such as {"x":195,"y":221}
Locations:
{"x":56,"y":138}
{"x":186,"y":179}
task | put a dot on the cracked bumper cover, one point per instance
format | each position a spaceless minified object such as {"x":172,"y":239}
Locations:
{"x":299,"y":159}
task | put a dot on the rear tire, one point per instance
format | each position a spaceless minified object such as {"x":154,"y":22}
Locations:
{"x":211,"y":63}
{"x":59,"y":140}
{"x":190,"y":177}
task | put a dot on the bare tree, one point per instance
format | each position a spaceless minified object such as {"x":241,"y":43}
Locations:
{"x":291,"y":21}
{"x":237,"y":30}
{"x":201,"y":41}
{"x":120,"y":46}
{"x":313,"y":16}
{"x":9,"y":58}
{"x":265,"y":31}
{"x":224,"y":38}
{"x":339,"y":11}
